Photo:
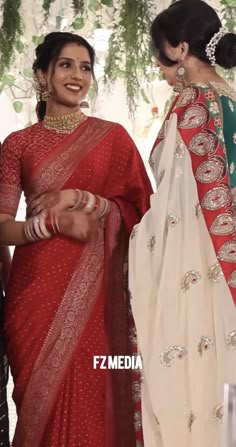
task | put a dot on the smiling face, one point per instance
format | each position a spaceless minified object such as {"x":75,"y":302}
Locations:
{"x":68,"y":81}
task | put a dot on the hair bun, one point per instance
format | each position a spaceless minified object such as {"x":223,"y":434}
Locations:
{"x":225,"y":53}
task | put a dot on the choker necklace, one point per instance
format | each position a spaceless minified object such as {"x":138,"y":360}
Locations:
{"x":64,"y":124}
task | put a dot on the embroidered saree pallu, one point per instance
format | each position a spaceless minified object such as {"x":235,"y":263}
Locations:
{"x":183,"y":270}
{"x":66,"y":300}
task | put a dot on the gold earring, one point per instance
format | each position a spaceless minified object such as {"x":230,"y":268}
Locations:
{"x":84,"y":105}
{"x":180,"y":79}
{"x":45,"y":94}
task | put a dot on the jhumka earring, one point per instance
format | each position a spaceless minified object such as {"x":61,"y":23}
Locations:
{"x":84,"y":105}
{"x":45,"y":94}
{"x":180,"y":78}
{"x":41,"y":91}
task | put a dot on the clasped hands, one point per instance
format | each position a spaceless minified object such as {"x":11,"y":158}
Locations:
{"x":72,"y":223}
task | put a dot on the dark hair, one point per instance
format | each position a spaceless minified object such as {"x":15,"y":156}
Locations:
{"x":194,"y":22}
{"x":48,"y":52}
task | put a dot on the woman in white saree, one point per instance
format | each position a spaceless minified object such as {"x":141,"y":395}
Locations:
{"x":182,"y":260}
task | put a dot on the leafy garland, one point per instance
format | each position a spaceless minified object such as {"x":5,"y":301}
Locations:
{"x":78,"y":6}
{"x":10,"y":31}
{"x":129,"y":53}
{"x":47,"y":5}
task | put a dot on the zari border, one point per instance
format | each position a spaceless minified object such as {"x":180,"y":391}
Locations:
{"x":57,"y":168}
{"x":67,"y":328}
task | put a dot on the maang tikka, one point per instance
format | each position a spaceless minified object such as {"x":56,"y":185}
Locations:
{"x":180,"y":78}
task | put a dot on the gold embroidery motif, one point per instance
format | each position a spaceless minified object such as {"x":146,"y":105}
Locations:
{"x":161,"y":176}
{"x":169,"y":355}
{"x":180,"y":150}
{"x":151,"y":162}
{"x":198,"y":210}
{"x":223,"y":224}
{"x":210,"y":171}
{"x":204,"y":345}
{"x":232,"y":279}
{"x":215,"y":272}
{"x":136,"y":391}
{"x":191,"y":277}
{"x":9,"y":199}
{"x":134,"y":232}
{"x":137,"y":420}
{"x":218,"y":413}
{"x":172,"y":221}
{"x":204,"y":143}
{"x":57,"y":168}
{"x":191,"y":420}
{"x":227,"y":252}
{"x":187,"y":96}
{"x":231,"y":340}
{"x":216,"y":198}
{"x":224,"y":90}
{"x":66,"y":329}
{"x":133,"y":336}
{"x":194,"y":117}
{"x":151,"y":243}
{"x":214,"y":108}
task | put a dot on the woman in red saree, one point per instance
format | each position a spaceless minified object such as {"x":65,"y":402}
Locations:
{"x":66,"y":299}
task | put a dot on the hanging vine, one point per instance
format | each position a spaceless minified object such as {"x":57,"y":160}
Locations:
{"x":129,"y":53}
{"x":10,"y":31}
{"x":47,"y":5}
{"x":78,"y":6}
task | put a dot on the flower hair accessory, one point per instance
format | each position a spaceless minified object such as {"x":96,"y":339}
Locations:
{"x":211,"y":46}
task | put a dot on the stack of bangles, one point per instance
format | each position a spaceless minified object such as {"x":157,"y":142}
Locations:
{"x":41,"y":227}
{"x":88,"y":202}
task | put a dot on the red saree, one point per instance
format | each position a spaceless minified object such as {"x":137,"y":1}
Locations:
{"x":66,"y":301}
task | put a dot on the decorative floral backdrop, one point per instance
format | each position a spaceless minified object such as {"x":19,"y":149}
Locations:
{"x":119,"y":30}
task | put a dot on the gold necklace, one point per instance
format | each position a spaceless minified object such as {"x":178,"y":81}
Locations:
{"x":64,"y":124}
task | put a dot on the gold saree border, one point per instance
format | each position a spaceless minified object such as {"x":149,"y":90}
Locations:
{"x":62,"y":339}
{"x":59,"y":165}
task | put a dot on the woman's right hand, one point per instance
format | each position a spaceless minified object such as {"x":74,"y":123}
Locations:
{"x":79,"y":226}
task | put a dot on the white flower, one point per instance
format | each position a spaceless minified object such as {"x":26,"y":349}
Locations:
{"x":234,"y":137}
{"x":214,"y":108}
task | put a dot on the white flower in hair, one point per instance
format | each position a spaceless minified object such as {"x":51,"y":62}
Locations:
{"x":211,"y":46}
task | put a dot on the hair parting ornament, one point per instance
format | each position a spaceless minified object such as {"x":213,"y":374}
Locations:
{"x":211,"y":46}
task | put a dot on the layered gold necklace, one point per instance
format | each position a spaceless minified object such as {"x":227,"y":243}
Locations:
{"x":64,"y":124}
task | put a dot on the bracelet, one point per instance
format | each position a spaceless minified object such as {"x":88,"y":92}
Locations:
{"x":35,"y":228}
{"x":103,"y":208}
{"x":90,"y":203}
{"x":87,"y":202}
{"x":52,"y":224}
{"x":79,"y":200}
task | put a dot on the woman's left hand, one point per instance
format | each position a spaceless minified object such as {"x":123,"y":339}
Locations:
{"x":54,"y":200}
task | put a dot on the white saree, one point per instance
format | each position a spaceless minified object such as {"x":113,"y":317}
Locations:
{"x":183,"y":309}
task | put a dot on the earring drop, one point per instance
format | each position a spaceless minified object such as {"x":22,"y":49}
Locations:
{"x":84,"y":105}
{"x":180,"y":79}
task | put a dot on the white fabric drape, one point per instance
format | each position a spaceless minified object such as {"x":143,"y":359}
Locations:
{"x":183,"y":310}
